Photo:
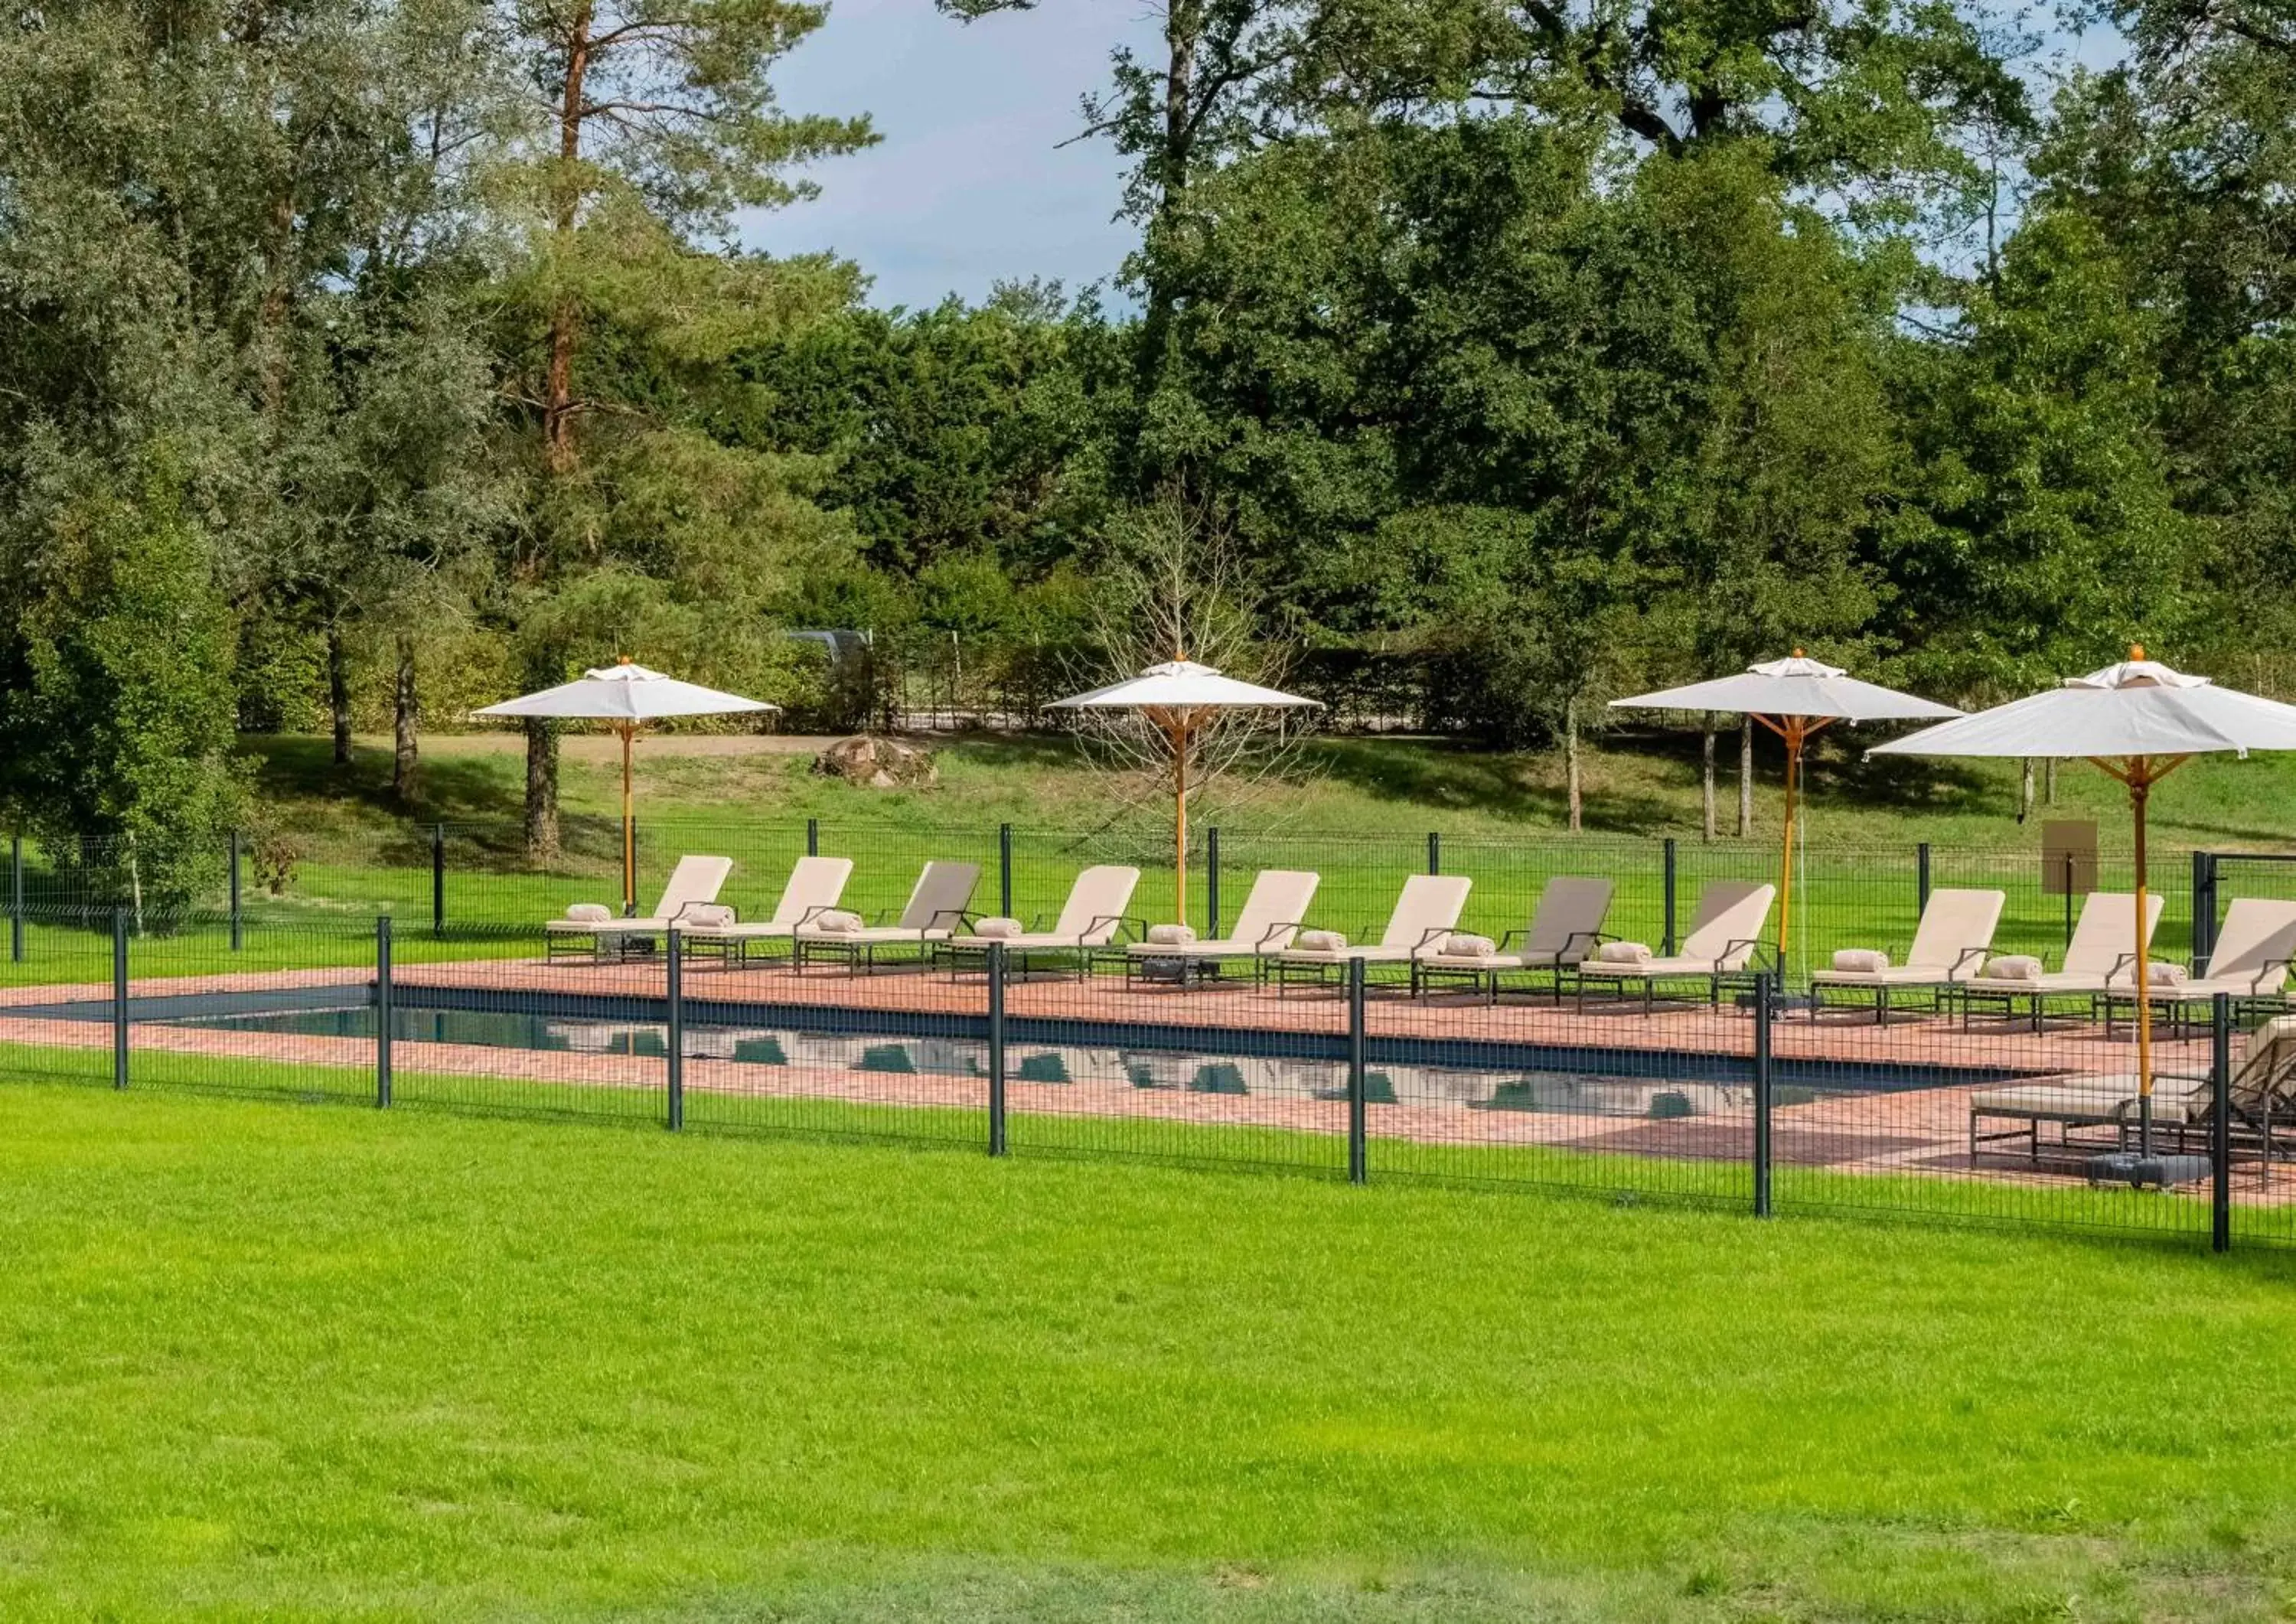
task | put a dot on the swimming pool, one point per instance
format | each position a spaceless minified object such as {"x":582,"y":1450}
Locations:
{"x":1264,"y":1077}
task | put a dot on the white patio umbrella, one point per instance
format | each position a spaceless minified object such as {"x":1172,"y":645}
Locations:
{"x":2138,"y":721}
{"x":626,"y":697}
{"x":1793,"y":699}
{"x":1180,"y":699}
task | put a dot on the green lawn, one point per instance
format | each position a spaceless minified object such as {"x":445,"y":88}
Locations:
{"x":334,"y":1363}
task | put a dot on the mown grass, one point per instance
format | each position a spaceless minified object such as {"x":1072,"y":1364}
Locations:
{"x":340,"y":1363}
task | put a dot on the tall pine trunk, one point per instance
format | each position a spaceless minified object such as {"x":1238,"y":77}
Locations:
{"x":541,"y":789}
{"x":2025,"y":790}
{"x":1745,"y":779}
{"x":1571,"y":760}
{"x":2049,"y":781}
{"x":1706,"y":777}
{"x":339,"y":695}
{"x":405,"y":760}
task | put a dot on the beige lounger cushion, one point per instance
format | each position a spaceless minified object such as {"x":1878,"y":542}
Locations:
{"x":2099,"y":1100}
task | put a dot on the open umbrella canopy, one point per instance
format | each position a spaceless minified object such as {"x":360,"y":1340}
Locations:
{"x":627,"y":695}
{"x":624,"y":693}
{"x":2138,"y":721}
{"x":1180,"y":684}
{"x":1179,"y":698}
{"x":1794,"y":698}
{"x":2138,"y":707}
{"x":1798,"y":687}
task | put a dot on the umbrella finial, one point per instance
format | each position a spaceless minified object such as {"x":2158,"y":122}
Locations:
{"x":1797,"y":653}
{"x":621,"y":660}
{"x":2137,"y":651}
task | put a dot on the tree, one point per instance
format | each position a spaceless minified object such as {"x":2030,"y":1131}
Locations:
{"x":120,"y":729}
{"x":653,"y":120}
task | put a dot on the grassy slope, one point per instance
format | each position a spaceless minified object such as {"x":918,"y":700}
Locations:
{"x":326,"y":1363}
{"x":1641,"y":785}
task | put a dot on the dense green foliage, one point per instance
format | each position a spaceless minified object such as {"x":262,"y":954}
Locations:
{"x":1520,"y":357}
{"x":332,"y":1363}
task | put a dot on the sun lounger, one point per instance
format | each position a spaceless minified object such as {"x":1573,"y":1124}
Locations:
{"x":815,"y":886}
{"x":1563,"y":930}
{"x":2104,"y":948}
{"x":2183,"y":1105}
{"x":1725,"y":934}
{"x":1266,"y":923}
{"x":593,"y":927}
{"x":1951,"y":945}
{"x":1090,"y":918}
{"x":1426,"y":912}
{"x":2250,"y":965}
{"x":936,"y":907}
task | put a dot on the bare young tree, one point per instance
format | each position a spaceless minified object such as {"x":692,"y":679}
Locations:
{"x":1173,"y":587}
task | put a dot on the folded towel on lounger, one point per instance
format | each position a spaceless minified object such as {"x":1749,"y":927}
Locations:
{"x":1861,"y":960}
{"x":1624,"y":953}
{"x":1321,"y":941}
{"x":2157,"y":974}
{"x":1460,"y":944}
{"x":1171,"y":936}
{"x":996,"y":926}
{"x":590,"y":912}
{"x":707,"y":916}
{"x":2012,"y":967}
{"x":837,"y":921}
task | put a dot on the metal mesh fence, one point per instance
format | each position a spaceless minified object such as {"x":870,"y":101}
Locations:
{"x":1749,"y":1081}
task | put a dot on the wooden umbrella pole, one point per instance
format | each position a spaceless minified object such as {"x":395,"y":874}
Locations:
{"x":1180,"y":823}
{"x":1796,"y":731}
{"x":629,"y":831}
{"x":2140,"y":790}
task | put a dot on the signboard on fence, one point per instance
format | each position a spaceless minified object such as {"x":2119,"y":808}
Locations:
{"x":2067,"y":858}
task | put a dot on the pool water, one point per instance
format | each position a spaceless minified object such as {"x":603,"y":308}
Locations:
{"x":1575,"y":1094}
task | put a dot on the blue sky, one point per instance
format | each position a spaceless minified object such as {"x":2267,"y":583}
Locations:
{"x":970,"y":184}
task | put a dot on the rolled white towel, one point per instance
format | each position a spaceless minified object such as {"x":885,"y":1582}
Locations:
{"x":997,"y":927}
{"x":1171,"y":936}
{"x":707,"y":916}
{"x":837,"y":921}
{"x":2158,"y":974}
{"x":1623,"y":952}
{"x":2012,"y":967}
{"x":590,"y":912}
{"x":1321,"y":941}
{"x":1861,"y":960}
{"x":1461,"y":944}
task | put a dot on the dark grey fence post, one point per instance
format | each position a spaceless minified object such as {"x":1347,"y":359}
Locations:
{"x":438,"y":881}
{"x":2204,"y":910}
{"x":120,"y":998}
{"x":382,"y":1021}
{"x":1922,"y":877}
{"x":1672,"y":866}
{"x":996,"y":1143}
{"x":674,"y":1033}
{"x":1211,"y":881}
{"x":1434,"y":852}
{"x":234,"y":890}
{"x":1004,"y":869}
{"x":2220,"y":1124}
{"x":1358,"y":1148}
{"x":1763,"y":1000}
{"x":16,"y":898}
{"x":813,"y":837}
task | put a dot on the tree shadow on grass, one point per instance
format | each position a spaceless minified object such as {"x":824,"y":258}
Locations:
{"x":1441,"y":774}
